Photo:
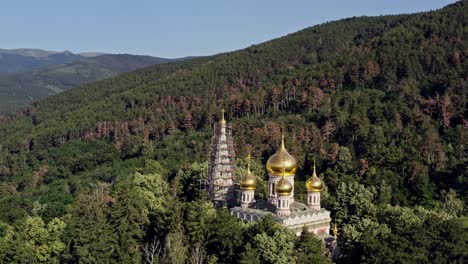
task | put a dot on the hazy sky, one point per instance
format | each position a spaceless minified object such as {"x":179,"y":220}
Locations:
{"x":175,"y":28}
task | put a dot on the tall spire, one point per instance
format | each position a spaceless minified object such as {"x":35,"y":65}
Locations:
{"x":221,"y":165}
{"x":314,"y":184}
{"x":282,"y":141}
{"x":248,"y":182}
{"x":314,"y":173}
{"x":223,"y":121}
{"x":335,"y":230}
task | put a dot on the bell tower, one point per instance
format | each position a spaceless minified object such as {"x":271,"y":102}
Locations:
{"x":221,"y":165}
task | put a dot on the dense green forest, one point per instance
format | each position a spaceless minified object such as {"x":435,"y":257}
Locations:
{"x":109,"y":172}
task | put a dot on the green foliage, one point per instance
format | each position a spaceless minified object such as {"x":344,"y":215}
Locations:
{"x":191,"y":180}
{"x":33,"y":241}
{"x":91,"y":234}
{"x":175,"y":248}
{"x":44,"y":241}
{"x":404,"y":235}
{"x":309,"y":249}
{"x":197,"y":219}
{"x":153,"y":191}
{"x":250,"y":256}
{"x":225,"y":239}
{"x":353,"y":203}
{"x":277,"y":248}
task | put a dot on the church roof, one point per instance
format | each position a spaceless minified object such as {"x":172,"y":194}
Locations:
{"x":263,"y":208}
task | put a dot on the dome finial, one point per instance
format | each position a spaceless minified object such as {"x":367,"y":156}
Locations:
{"x":314,"y":184}
{"x":223,"y":121}
{"x":282,"y":141}
{"x":314,"y":173}
{"x":275,"y":164}
{"x":248,"y":182}
{"x":335,"y":230}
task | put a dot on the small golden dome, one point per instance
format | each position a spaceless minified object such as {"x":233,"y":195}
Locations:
{"x":248,"y":182}
{"x":275,"y":164}
{"x":283,"y":187}
{"x":314,"y":184}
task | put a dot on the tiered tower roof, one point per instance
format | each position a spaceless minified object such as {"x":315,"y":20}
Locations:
{"x":221,"y":165}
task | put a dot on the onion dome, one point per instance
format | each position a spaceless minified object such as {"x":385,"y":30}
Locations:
{"x":314,"y":184}
{"x":275,"y":164}
{"x":283,"y":186}
{"x":248,"y":182}
{"x":223,"y":121}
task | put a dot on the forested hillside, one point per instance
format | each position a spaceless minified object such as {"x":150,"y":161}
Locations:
{"x":20,"y":89}
{"x":113,"y":167}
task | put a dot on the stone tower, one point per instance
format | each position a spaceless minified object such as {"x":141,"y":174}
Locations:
{"x":221,"y":166}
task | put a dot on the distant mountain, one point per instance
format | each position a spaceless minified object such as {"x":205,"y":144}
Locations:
{"x":23,"y":60}
{"x":17,"y":90}
{"x":92,"y":54}
{"x":36,"y":53}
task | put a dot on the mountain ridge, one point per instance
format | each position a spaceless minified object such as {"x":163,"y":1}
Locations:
{"x":20,"y":89}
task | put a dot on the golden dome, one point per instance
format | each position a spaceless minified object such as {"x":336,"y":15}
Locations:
{"x":314,"y":184}
{"x":283,"y":187}
{"x":275,"y":164}
{"x":248,"y":182}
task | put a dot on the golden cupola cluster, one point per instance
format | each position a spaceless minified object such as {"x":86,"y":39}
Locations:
{"x":248,"y":182}
{"x":284,"y":187}
{"x":282,"y":162}
{"x":314,"y":184}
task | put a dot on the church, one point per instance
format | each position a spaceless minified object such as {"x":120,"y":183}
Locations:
{"x":281,"y":204}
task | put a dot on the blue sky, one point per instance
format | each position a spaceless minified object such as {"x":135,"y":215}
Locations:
{"x":175,"y":28}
